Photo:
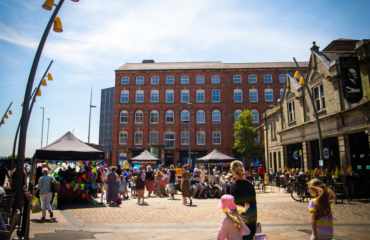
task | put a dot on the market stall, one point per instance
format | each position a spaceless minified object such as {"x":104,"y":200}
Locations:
{"x":145,"y":159}
{"x":215,"y":158}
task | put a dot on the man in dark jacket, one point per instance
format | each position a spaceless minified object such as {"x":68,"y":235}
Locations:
{"x":3,"y":174}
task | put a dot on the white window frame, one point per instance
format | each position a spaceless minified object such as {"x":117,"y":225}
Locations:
{"x":251,"y":96}
{"x":320,"y":98}
{"x":199,"y":117}
{"x":213,"y":117}
{"x":173,"y":116}
{"x":266,"y":78}
{"x":138,"y":138}
{"x":291,"y":111}
{"x":169,"y":78}
{"x":269,"y":92}
{"x":183,"y":115}
{"x":153,"y":136}
{"x":154,"y":117}
{"x":154,"y":80}
{"x":185,"y":138}
{"x":123,"y":135}
{"x":215,"y":79}
{"x":185,"y":91}
{"x":216,"y":137}
{"x":282,"y":76}
{"x":128,"y":96}
{"x":137,"y":96}
{"x":216,"y":94}
{"x":281,"y":93}
{"x":200,"y":93}
{"x":168,"y":139}
{"x":167,"y":95}
{"x":139,"y":79}
{"x":236,"y":117}
{"x":257,"y":140}
{"x":251,"y":78}
{"x":235,"y":95}
{"x":201,"y":135}
{"x":200,"y":79}
{"x":152,"y":92}
{"x":237,"y":78}
{"x":185,"y":79}
{"x":121,"y":116}
{"x":256,"y":116}
{"x":125,"y":80}
{"x":137,"y":117}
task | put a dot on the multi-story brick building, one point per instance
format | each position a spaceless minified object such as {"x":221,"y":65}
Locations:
{"x":151,"y":105}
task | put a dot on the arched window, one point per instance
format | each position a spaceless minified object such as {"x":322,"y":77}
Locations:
{"x":236,"y":114}
{"x":216,"y":116}
{"x":200,"y":95}
{"x":238,"y":96}
{"x":170,"y":80}
{"x":215,"y":79}
{"x":200,"y":79}
{"x":139,"y":115}
{"x":185,"y":116}
{"x":201,"y":116}
{"x":169,"y":116}
{"x":255,"y":116}
{"x":123,"y":138}
{"x":267,"y":78}
{"x":252,"y":78}
{"x":201,"y":138}
{"x":139,"y":96}
{"x":154,"y":117}
{"x":125,"y":80}
{"x":253,"y":95}
{"x":237,"y":78}
{"x":184,"y":95}
{"x":184,"y":79}
{"x":169,"y":139}
{"x":216,"y":95}
{"x":140,"y":80}
{"x":124,"y":96}
{"x":124,"y":117}
{"x":138,"y":138}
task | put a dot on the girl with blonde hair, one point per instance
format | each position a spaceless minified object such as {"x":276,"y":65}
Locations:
{"x":158,"y":182}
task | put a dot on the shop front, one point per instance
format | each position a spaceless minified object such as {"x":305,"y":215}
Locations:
{"x":194,"y":156}
{"x":294,"y":155}
{"x":359,"y":149}
{"x":330,"y":153}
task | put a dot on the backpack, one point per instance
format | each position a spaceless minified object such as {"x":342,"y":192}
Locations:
{"x":143,"y":175}
{"x":151,"y":176}
{"x":54,"y":186}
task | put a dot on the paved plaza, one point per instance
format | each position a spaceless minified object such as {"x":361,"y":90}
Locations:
{"x":161,"y":218}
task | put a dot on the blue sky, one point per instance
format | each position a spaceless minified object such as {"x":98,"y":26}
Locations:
{"x":100,"y":36}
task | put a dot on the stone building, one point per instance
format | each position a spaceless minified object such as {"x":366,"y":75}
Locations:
{"x":338,"y":78}
{"x":150,"y":105}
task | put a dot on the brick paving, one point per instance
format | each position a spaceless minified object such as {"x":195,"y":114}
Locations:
{"x":161,"y":218}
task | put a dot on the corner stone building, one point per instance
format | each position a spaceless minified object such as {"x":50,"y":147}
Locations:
{"x":291,"y":134}
{"x":150,"y":105}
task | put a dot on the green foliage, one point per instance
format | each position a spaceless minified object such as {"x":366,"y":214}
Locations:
{"x":337,"y":172}
{"x":246,"y":134}
{"x":327,"y":172}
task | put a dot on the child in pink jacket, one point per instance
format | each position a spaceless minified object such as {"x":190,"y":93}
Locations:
{"x":232,"y":226}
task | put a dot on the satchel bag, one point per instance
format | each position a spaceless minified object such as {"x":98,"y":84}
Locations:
{"x":54,"y":186}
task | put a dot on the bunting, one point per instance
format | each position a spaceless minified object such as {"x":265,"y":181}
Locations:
{"x":63,"y":189}
{"x":64,"y":181}
{"x":46,"y":161}
{"x":82,"y":185}
{"x":83,"y":195}
{"x":54,"y":161}
{"x":55,"y":175}
{"x":87,"y":186}
{"x":76,"y":186}
{"x":104,"y":164}
{"x":88,"y":199}
{"x":84,"y":176}
{"x":94,"y":162}
{"x":73,"y":183}
{"x":78,"y":192}
{"x":79,"y":180}
{"x":94,"y":203}
{"x":98,"y":184}
{"x":67,"y":162}
{"x":87,"y":163}
{"x":94,"y":170}
{"x":93,"y":185}
{"x":74,"y":162}
{"x":68,"y":185}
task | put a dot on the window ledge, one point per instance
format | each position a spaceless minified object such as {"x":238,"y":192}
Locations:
{"x":321,"y":111}
{"x":216,"y":122}
{"x":291,"y":123}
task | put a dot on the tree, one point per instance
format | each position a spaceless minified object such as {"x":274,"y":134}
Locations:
{"x":245,"y":136}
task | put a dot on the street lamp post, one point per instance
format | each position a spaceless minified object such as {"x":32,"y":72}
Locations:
{"x":91,"y":106}
{"x":42,"y":129}
{"x":47,"y":136}
{"x":189,"y":160}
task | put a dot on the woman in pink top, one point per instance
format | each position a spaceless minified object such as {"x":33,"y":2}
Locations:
{"x":232,"y":226}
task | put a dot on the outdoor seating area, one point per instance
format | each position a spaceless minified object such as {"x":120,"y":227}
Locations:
{"x":7,"y":217}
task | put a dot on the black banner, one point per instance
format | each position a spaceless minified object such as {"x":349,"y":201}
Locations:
{"x":351,"y":79}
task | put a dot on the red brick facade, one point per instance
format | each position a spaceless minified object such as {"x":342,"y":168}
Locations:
{"x":226,"y":106}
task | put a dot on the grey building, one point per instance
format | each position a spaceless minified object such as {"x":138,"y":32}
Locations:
{"x":106,"y":118}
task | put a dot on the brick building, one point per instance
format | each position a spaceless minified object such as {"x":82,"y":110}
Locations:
{"x":150,"y":105}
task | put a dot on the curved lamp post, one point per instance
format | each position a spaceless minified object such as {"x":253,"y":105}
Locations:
{"x":6,"y":114}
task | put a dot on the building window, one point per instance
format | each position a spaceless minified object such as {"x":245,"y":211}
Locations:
{"x":281,"y":93}
{"x":267,"y":78}
{"x":139,"y":115}
{"x":169,"y":116}
{"x":170,"y":80}
{"x":200,"y":79}
{"x":216,"y":116}
{"x":238,"y":97}
{"x":153,"y":137}
{"x":184,"y":79}
{"x":122,"y":138}
{"x":201,"y":116}
{"x":252,"y":78}
{"x":184,"y":138}
{"x":154,"y":96}
{"x":154,"y":117}
{"x":200,"y":95}
{"x":318,"y":93}
{"x":125,"y":80}
{"x":255,"y":115}
{"x":215,"y":79}
{"x":201,"y":138}
{"x":124,"y":117}
{"x":139,"y":96}
{"x":269,"y":95}
{"x":257,"y":140}
{"x":139,"y":80}
{"x":237,"y":78}
{"x":282,"y":78}
{"x":184,"y":95}
{"x":185,"y":116}
{"x":169,"y":139}
{"x":169,"y":96}
{"x":216,"y":138}
{"x":155,"y":80}
{"x":253,"y":95}
{"x":124,"y":96}
{"x":236,"y":115}
{"x":215,"y":95}
{"x":138,"y":139}
{"x":291,"y":111}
